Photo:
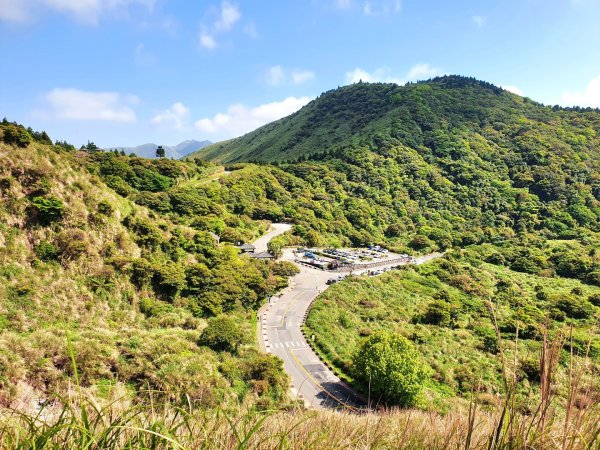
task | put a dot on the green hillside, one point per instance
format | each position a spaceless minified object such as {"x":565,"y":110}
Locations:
{"x":414,"y":115}
{"x":98,"y":272}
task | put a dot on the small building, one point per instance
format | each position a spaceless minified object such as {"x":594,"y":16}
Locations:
{"x":215,"y":237}
{"x":262,"y":255}
{"x":246,"y":248}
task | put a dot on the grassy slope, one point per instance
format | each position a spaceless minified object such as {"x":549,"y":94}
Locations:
{"x":125,"y":337}
{"x":356,"y":307}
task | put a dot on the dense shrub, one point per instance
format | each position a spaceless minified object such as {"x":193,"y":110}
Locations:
{"x":391,"y":366}
{"x":46,"y":251}
{"x":593,"y":278}
{"x":48,"y":209}
{"x":574,"y":307}
{"x":437,"y":313}
{"x":222,"y":334}
{"x":72,"y":244}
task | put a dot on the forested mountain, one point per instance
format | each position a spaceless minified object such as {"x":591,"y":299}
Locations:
{"x":452,"y":160}
{"x":432,"y":117}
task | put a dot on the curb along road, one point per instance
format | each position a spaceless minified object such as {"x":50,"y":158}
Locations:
{"x":280,"y":333}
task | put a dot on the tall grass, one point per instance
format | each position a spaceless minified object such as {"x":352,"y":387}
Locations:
{"x":78,"y":420}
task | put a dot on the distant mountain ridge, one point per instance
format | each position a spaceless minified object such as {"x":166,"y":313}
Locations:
{"x":171,"y":151}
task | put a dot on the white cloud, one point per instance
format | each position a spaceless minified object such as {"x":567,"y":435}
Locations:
{"x":207,"y":40}
{"x":223,"y":21}
{"x":13,"y":11}
{"x":86,"y":11}
{"x":229,"y":15}
{"x":384,"y":75}
{"x":240,"y":119}
{"x":300,"y":76}
{"x":342,"y":4}
{"x":513,"y":89}
{"x":278,"y":75}
{"x":175,"y":117}
{"x":275,"y":76}
{"x":142,"y":57}
{"x":250,"y":30}
{"x":421,"y":72}
{"x":589,"y":97}
{"x":479,"y":20}
{"x":73,"y":104}
{"x":382,"y":7}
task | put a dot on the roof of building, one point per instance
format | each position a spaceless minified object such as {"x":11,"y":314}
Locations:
{"x":246,"y":247}
{"x":263,"y":255}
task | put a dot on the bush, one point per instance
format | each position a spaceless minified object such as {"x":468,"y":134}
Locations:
{"x":594,"y":299}
{"x":573,"y":307}
{"x":391,"y":366}
{"x":221,"y":334}
{"x":420,"y":242}
{"x":169,"y":279}
{"x":285,"y":269}
{"x":46,"y":251}
{"x":72,"y":244}
{"x":105,"y":208}
{"x":48,"y":209}
{"x":593,"y":278}
{"x":437,"y":313}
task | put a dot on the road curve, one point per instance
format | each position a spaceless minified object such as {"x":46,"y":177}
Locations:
{"x":280,"y":334}
{"x":276,"y":229}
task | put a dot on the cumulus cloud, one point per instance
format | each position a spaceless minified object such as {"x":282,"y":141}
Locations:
{"x":176,"y":117}
{"x":479,"y":20}
{"x":513,"y":89}
{"x":384,"y":75}
{"x":275,"y":75}
{"x":230,"y":14}
{"x":342,"y":4}
{"x":227,"y":16}
{"x":250,"y":30}
{"x":240,"y":119}
{"x":382,"y":7}
{"x":86,"y":11}
{"x":590,"y":96}
{"x":143,"y":57}
{"x":207,"y":40}
{"x":73,"y":104}
{"x":300,"y":76}
{"x":278,"y":75}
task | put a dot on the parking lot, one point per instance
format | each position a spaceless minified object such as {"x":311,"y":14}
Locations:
{"x":351,"y":259}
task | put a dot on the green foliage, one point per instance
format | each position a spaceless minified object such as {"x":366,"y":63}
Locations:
{"x":574,"y":307}
{"x":169,"y":279}
{"x":390,"y":365}
{"x":46,"y":251}
{"x":222,"y":334}
{"x":48,"y":209}
{"x":438,"y":313}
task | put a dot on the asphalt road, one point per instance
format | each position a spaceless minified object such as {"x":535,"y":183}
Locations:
{"x":277,"y":228}
{"x":312,"y":381}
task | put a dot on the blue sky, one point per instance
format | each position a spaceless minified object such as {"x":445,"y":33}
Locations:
{"x":127,"y":72}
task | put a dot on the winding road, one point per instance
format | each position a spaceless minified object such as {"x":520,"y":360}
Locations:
{"x":280,"y":334}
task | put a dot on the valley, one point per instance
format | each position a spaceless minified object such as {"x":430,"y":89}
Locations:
{"x":129,"y":276}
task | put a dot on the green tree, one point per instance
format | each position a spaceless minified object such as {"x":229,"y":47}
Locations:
{"x":391,"y":366}
{"x":222,"y":334}
{"x":160,"y":152}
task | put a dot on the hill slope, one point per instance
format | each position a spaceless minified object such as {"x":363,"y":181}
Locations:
{"x":411,"y":115}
